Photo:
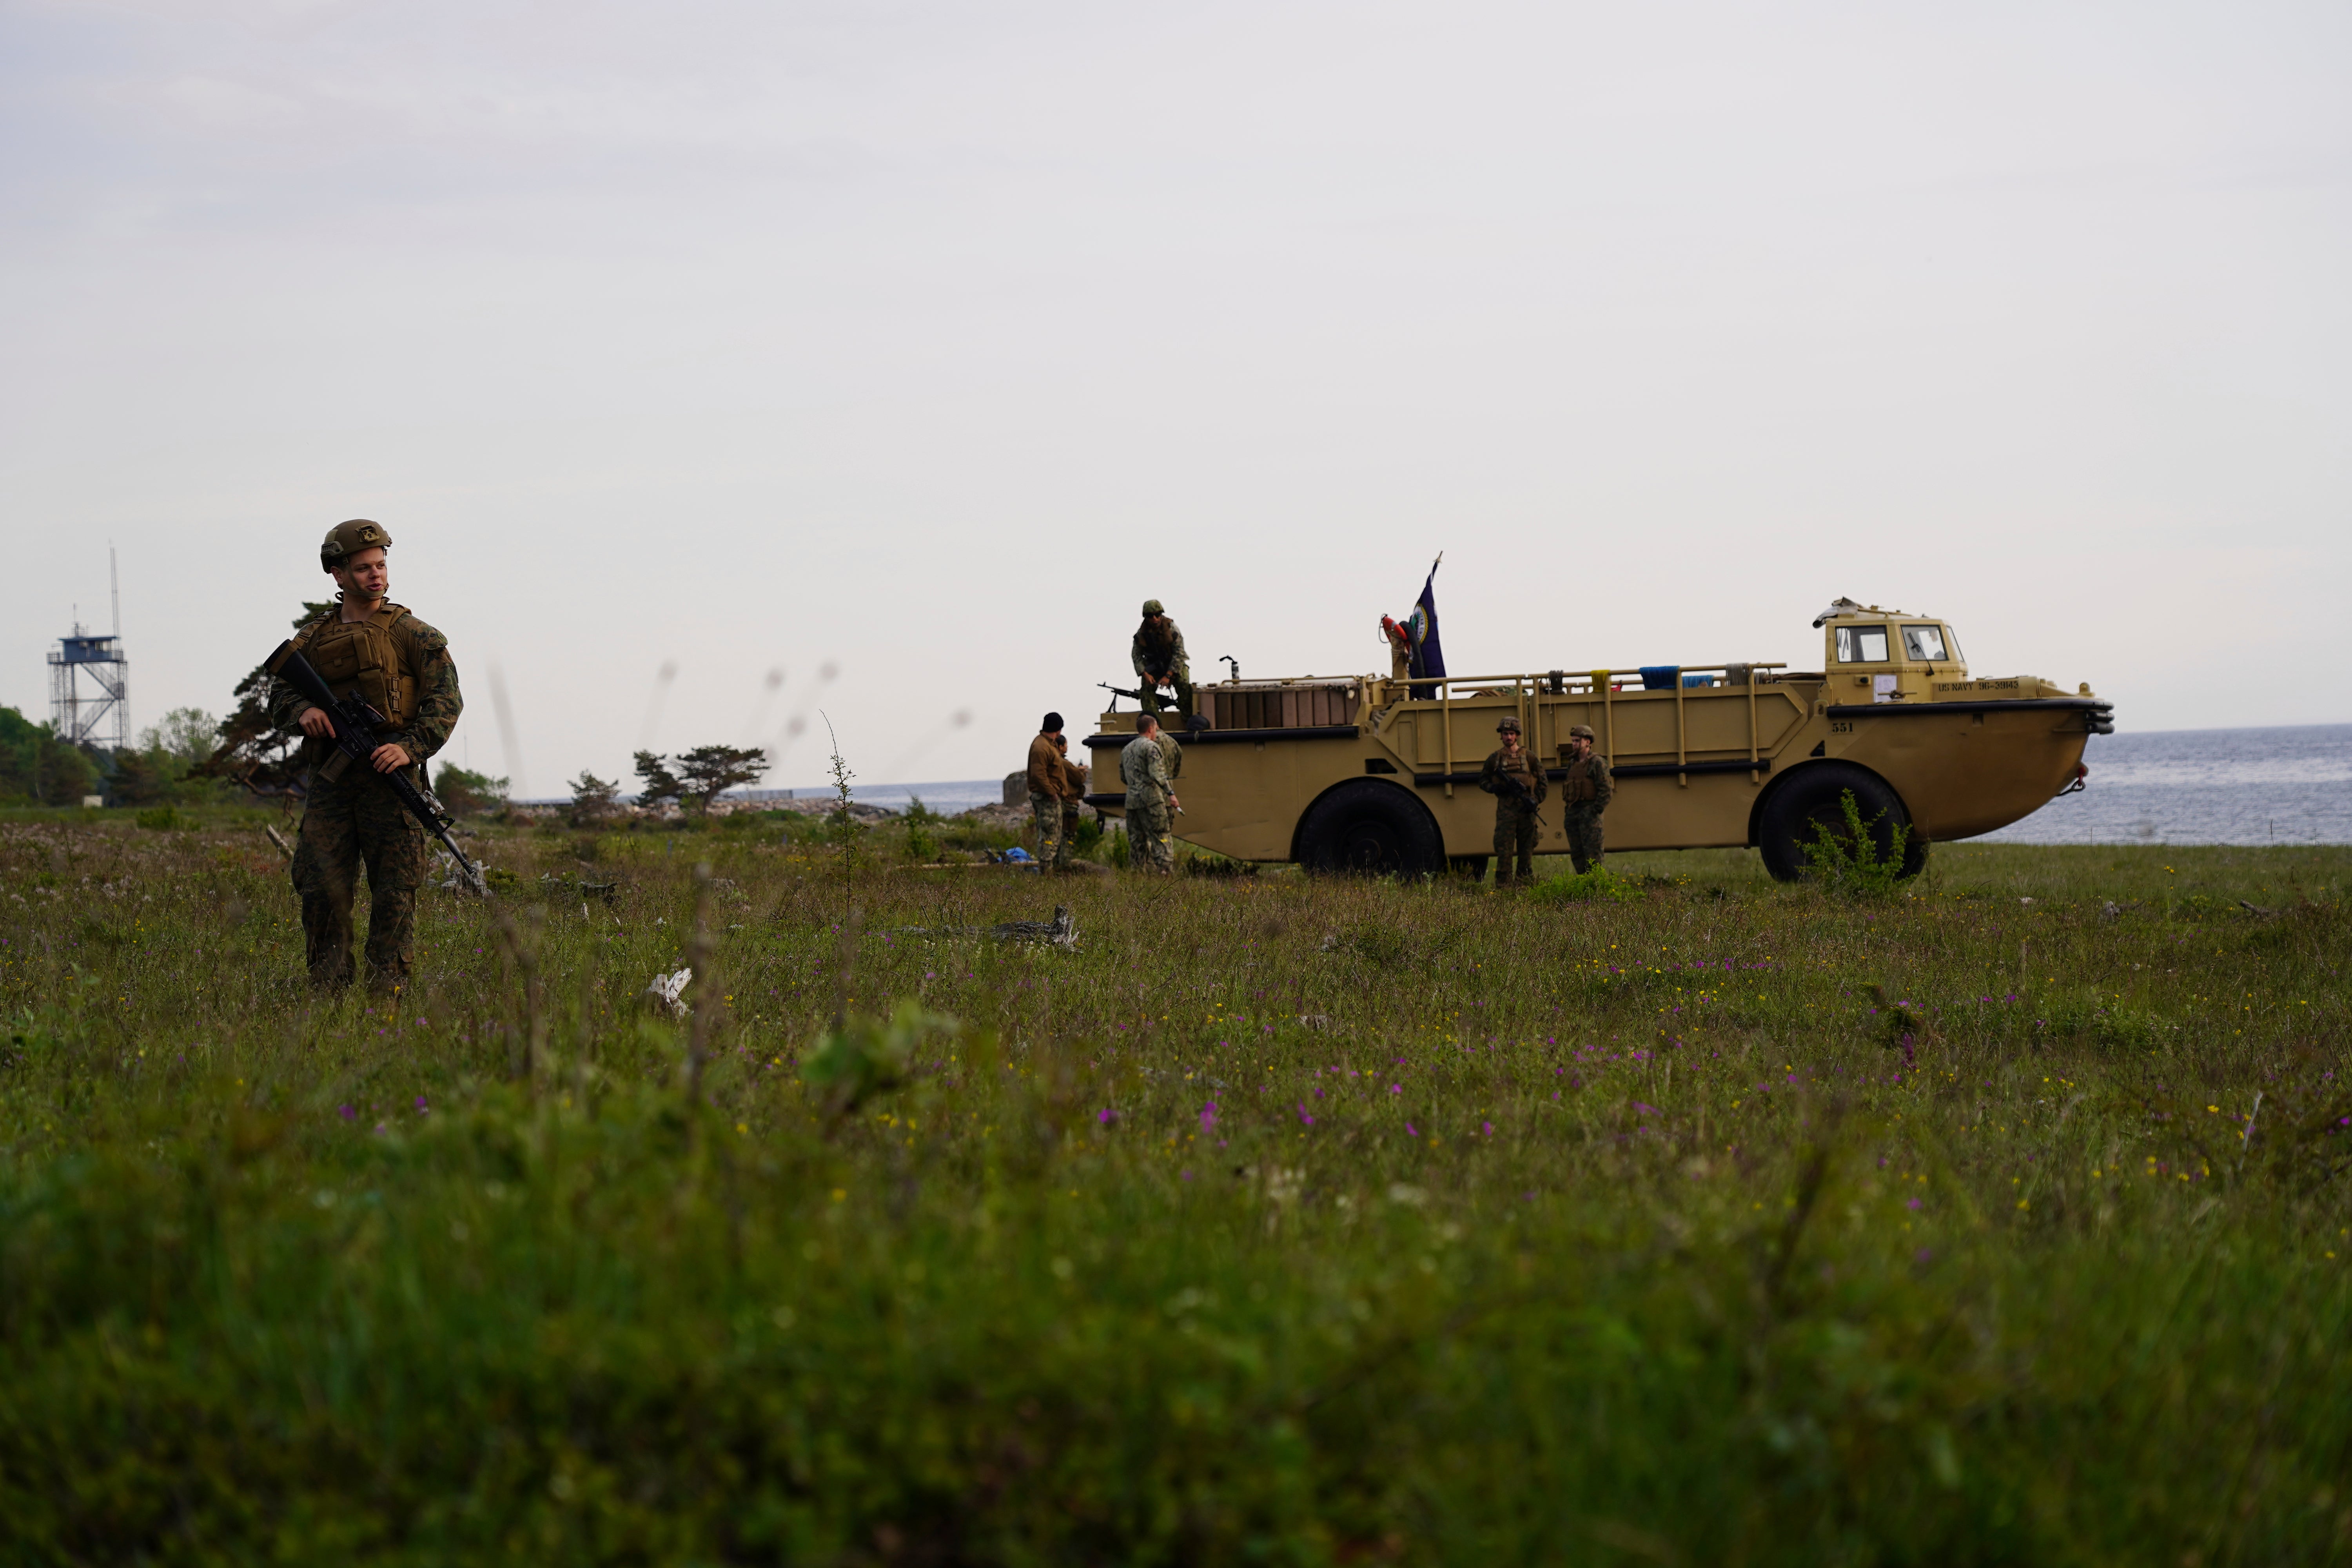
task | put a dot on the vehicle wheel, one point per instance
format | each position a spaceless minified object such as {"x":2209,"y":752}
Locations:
{"x":1375,"y":828}
{"x":1473,"y":866}
{"x":1812,"y":797}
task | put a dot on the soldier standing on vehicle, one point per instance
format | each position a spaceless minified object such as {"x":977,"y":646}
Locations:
{"x":1159,"y":658}
{"x":1049,"y":795}
{"x":1151,"y":799}
{"x":402,"y":668}
{"x":1584,"y":795}
{"x":1517,"y":786}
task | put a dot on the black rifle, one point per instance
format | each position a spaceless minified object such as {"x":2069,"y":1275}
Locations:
{"x":1521,"y":793}
{"x":358,"y":732}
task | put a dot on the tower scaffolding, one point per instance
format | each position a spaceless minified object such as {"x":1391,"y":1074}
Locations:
{"x":79,"y":715}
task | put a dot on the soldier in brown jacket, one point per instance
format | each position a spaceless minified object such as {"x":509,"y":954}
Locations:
{"x":1049,"y":791}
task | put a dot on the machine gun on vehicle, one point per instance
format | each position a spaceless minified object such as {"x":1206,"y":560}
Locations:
{"x":358,"y":731}
{"x":1149,"y":694}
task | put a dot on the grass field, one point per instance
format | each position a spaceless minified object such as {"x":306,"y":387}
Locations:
{"x":1282,"y":1221}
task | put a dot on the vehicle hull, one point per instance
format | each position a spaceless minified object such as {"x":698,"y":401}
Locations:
{"x":1692,"y":767}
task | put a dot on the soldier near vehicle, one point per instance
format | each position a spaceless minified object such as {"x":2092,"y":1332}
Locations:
{"x":1584,"y":794}
{"x":1159,"y":656}
{"x":1511,"y":776}
{"x":1150,"y":801}
{"x":372,"y":649}
{"x":1074,"y":775}
{"x":1052,"y":796}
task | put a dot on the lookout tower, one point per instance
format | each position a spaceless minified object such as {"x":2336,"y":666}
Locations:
{"x":89,"y":683}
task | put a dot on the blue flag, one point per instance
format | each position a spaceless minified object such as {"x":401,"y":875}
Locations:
{"x":1428,"y":654}
{"x":1414,"y":641}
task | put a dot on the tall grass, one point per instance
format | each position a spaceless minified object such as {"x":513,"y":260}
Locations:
{"x":1285,"y":1220}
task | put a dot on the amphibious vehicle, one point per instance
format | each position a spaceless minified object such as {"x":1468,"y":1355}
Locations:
{"x":1378,"y":773}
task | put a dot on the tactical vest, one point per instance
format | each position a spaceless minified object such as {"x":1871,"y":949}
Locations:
{"x":1157,"y":640}
{"x":364,"y":659}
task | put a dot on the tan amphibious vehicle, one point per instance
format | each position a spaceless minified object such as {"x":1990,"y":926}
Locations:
{"x":1379,"y":773}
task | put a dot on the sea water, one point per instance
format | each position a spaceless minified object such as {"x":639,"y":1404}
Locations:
{"x":946,"y":797}
{"x":2204,"y":786}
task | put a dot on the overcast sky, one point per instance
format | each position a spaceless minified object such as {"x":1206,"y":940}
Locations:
{"x":924,"y":341}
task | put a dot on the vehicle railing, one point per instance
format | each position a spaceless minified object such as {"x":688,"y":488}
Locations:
{"x":1529,"y":691}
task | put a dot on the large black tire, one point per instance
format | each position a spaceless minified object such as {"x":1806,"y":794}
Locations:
{"x":1812,"y":796}
{"x":1371,"y":829}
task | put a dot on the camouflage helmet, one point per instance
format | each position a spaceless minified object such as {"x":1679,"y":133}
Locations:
{"x":348,"y":539}
{"x":1154,"y":608}
{"x":1510,"y":724}
{"x":1581,"y":732}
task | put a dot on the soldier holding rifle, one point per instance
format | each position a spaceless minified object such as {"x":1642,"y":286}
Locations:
{"x":1517,"y":786}
{"x":374,"y":650}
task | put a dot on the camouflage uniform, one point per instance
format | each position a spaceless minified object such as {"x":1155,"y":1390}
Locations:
{"x":350,"y":819}
{"x":1514,"y":818}
{"x":1584,"y":795}
{"x":1049,"y":798}
{"x":1159,"y":649}
{"x":1144,"y":772}
{"x":1074,"y":776}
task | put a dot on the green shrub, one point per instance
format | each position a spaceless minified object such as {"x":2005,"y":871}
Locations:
{"x":1851,"y":862}
{"x":161,"y":819}
{"x":467,"y":792}
{"x":1600,"y":884}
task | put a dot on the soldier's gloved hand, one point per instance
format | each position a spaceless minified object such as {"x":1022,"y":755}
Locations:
{"x":317,"y":725}
{"x":387,"y":758}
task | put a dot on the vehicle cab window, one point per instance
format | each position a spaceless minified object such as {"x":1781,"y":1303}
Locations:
{"x":1861,"y":645}
{"x":1925,"y":645}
